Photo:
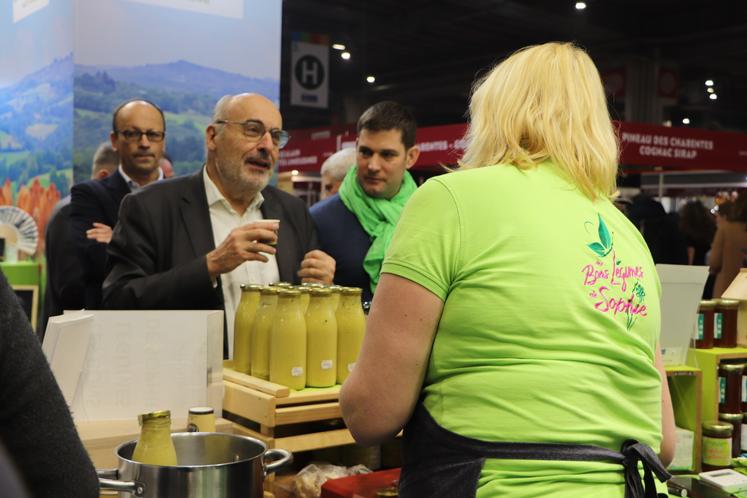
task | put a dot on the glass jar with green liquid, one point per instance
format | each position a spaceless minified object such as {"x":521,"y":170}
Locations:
{"x":321,"y":340}
{"x":351,"y":326}
{"x":288,"y":342}
{"x":155,"y":447}
{"x":260,"y":364}
{"x":242,"y":327}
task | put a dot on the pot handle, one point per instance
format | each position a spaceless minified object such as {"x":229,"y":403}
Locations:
{"x":108,"y":480}
{"x":280,"y":458}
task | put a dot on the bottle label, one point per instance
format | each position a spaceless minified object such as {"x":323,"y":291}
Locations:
{"x":351,"y":366}
{"x":327,"y":364}
{"x":718,"y":319}
{"x":717,"y":451}
{"x":701,"y":321}
{"x":297,"y":371}
{"x":721,"y":390}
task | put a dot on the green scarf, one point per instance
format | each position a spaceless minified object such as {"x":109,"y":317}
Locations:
{"x":378,"y":217}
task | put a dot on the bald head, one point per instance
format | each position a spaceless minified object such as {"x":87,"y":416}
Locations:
{"x":231,"y":106}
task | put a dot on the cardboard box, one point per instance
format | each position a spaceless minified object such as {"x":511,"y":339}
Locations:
{"x":114,"y":365}
{"x":681,"y":292}
{"x":738,"y":290}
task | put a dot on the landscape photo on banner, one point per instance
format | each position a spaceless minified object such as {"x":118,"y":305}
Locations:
{"x":179,"y":58}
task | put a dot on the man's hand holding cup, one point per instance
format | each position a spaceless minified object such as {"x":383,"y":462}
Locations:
{"x":250,"y":242}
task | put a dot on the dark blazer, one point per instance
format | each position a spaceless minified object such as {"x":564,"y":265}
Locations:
{"x":64,"y":289}
{"x":157,"y":253}
{"x":342,"y":237}
{"x":95,"y":201}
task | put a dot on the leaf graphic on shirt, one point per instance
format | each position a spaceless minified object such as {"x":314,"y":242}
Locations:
{"x":604,"y":234}
{"x":597,"y":248}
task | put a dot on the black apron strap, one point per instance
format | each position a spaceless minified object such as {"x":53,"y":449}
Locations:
{"x":429,"y":448}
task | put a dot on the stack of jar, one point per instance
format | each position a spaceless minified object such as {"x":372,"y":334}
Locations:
{"x":717,"y":324}
{"x":722,"y":439}
{"x":307,"y":336}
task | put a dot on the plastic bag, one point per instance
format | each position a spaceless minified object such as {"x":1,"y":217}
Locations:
{"x":309,"y":480}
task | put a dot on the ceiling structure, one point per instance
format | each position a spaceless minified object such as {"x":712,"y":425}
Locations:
{"x":427,"y":53}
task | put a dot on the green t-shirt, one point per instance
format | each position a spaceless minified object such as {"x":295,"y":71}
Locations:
{"x":550,"y":320}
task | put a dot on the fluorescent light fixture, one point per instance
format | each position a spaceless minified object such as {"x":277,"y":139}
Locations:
{"x":338,"y":46}
{"x":371,"y":78}
{"x":709,"y":82}
{"x":685,"y":120}
{"x":580,"y":5}
{"x":345,"y":55}
{"x":713,"y":96}
{"x":710,"y":90}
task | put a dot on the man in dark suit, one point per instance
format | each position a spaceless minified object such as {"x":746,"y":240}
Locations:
{"x":65,"y":289}
{"x":190,"y":242}
{"x":138,"y":133}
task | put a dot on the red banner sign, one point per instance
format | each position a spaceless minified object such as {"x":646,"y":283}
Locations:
{"x":642,"y":145}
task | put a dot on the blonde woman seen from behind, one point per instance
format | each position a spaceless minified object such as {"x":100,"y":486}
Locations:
{"x":526,"y":312}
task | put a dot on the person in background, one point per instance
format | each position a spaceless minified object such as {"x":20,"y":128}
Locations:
{"x":660,"y":230}
{"x":729,"y":246}
{"x":190,"y":242}
{"x":355,"y":226}
{"x":501,"y":336}
{"x":36,"y":428}
{"x":65,"y":288}
{"x":138,"y":135}
{"x":334,"y":169}
{"x":698,"y":226}
{"x":166,"y":166}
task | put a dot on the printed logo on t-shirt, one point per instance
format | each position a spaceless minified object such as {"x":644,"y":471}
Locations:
{"x":614,"y":288}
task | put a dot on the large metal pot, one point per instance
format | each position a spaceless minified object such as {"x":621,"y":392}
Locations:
{"x":211,"y":465}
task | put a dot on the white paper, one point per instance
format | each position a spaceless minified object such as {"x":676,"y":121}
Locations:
{"x":24,"y":8}
{"x":681,"y":292}
{"x":224,"y":8}
{"x":141,"y":361}
{"x":66,"y":345}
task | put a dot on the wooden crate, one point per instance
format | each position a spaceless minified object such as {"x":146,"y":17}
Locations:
{"x":284,"y":418}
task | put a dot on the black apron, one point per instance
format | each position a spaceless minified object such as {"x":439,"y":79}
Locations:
{"x":438,"y":463}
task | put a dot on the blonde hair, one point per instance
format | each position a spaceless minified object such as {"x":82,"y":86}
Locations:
{"x":545,"y":102}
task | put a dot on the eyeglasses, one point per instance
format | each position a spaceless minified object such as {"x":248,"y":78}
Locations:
{"x":255,"y":130}
{"x":135,"y":135}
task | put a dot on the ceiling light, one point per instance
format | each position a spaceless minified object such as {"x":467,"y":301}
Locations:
{"x":580,"y":5}
{"x":371,"y":79}
{"x":294,"y":172}
{"x":338,"y":46}
{"x":345,"y":55}
{"x":713,"y":96}
{"x":709,"y":82}
{"x":685,"y":120}
{"x":710,"y":90}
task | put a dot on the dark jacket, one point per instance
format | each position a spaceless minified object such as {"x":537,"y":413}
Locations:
{"x":95,"y":201}
{"x":157,"y":253}
{"x":35,"y":424}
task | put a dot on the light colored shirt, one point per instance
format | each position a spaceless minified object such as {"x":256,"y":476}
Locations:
{"x":135,"y":186}
{"x":224,"y":218}
{"x":549,"y":325}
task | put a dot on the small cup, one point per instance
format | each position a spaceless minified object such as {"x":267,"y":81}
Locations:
{"x":275,"y":222}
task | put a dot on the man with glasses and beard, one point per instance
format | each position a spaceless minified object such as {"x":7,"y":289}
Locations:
{"x":138,"y":133}
{"x":190,"y":242}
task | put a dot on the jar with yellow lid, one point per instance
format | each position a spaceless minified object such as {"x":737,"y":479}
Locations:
{"x":321,"y":343}
{"x":351,"y":326}
{"x":704,"y":324}
{"x":717,"y":445}
{"x":155,"y":447}
{"x":242,"y":328}
{"x":201,"y":419}
{"x":725,"y":323}
{"x":260,"y":364}
{"x":288,"y":341}
{"x":735,"y":419}
{"x":730,"y":387}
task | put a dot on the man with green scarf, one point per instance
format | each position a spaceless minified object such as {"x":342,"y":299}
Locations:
{"x":356,"y":225}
